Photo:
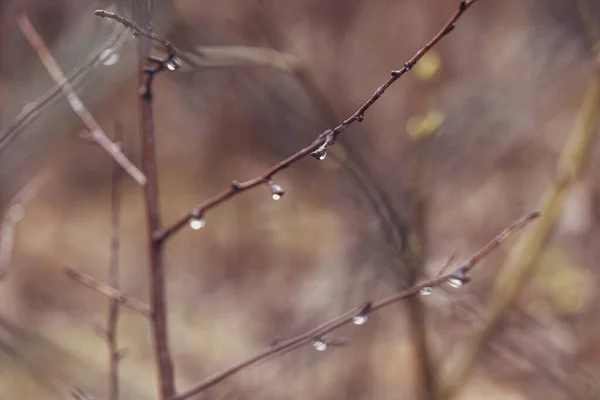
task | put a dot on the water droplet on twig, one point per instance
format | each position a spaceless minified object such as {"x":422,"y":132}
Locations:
{"x":455,"y":282}
{"x":426,"y":291}
{"x":320,"y":154}
{"x":197,"y":223}
{"x":173,"y":64}
{"x":277,"y":191}
{"x":319,"y":345}
{"x":109,"y":57}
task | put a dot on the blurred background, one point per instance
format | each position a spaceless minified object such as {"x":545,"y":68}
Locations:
{"x":453,"y":153}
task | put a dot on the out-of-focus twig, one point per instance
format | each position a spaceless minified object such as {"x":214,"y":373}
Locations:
{"x":79,"y":394}
{"x":15,"y":213}
{"x":34,"y":108}
{"x":237,"y":56}
{"x":108,"y":291}
{"x":96,"y":132}
{"x":324,"y":140}
{"x":521,"y":262}
{"x":460,"y":273}
{"x":113,"y":275}
{"x":591,"y":26}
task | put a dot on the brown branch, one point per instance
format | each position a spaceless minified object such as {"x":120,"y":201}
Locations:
{"x":158,"y":301}
{"x":147,"y":72}
{"x":96,"y":132}
{"x":113,"y":276}
{"x":108,"y":291}
{"x":319,"y":146}
{"x":458,"y":274}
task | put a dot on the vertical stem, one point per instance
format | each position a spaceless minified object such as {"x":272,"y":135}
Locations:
{"x":157,"y":279}
{"x":414,"y":259}
{"x":113,"y":276}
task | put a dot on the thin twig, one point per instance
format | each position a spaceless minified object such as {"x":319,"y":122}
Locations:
{"x":108,"y":291}
{"x":325,"y":139}
{"x":460,"y":273}
{"x":96,"y":132}
{"x":138,"y":30}
{"x":113,"y":276}
{"x":171,"y":62}
{"x":13,"y":215}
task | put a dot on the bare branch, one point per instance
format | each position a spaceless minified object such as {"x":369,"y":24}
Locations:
{"x":108,"y":291}
{"x":319,"y":146}
{"x":459,"y":273}
{"x":156,"y":272}
{"x":96,"y":132}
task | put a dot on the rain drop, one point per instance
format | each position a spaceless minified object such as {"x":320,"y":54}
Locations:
{"x":320,"y":153}
{"x":359,"y":319}
{"x":109,"y":57}
{"x":455,"y":282}
{"x":173,"y":64}
{"x":277,"y":191}
{"x":320,"y":345}
{"x":197,"y":223}
{"x":426,"y":291}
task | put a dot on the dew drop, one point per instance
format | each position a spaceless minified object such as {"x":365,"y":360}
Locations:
{"x":319,"y":345}
{"x":426,"y":291}
{"x":319,"y":154}
{"x":197,"y":223}
{"x":455,"y":282}
{"x":359,"y":319}
{"x":109,"y":57}
{"x":277,"y":191}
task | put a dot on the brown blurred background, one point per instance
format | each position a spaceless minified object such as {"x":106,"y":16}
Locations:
{"x":454,"y":151}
